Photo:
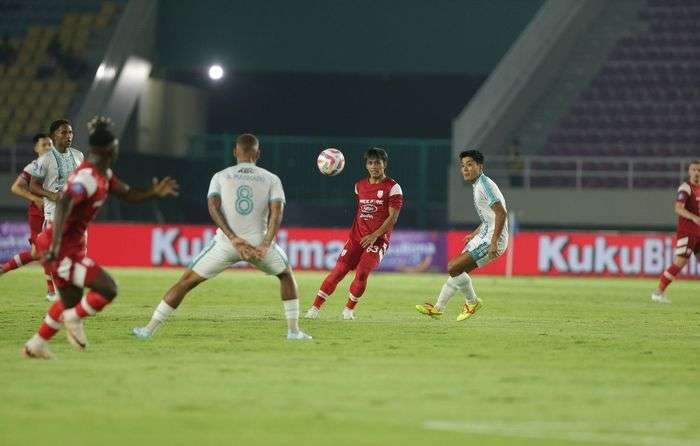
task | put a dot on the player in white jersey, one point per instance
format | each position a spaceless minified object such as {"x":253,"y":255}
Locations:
{"x":246,"y":202}
{"x":53,"y":168}
{"x":483,"y":245}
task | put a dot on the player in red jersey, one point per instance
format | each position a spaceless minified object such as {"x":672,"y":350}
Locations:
{"x":63,"y":247}
{"x":35,"y":212}
{"x":379,"y":200}
{"x":687,"y":231}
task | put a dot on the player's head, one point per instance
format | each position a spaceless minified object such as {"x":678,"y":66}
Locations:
{"x":376,"y":160}
{"x":247,"y":148}
{"x":61,"y":132}
{"x":42,"y":143}
{"x":694,"y":171}
{"x":472,"y":164}
{"x":102,"y":141}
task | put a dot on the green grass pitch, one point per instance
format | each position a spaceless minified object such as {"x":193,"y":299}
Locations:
{"x":547,"y":362}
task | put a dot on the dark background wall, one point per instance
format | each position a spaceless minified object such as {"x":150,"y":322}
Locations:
{"x":346,"y":68}
{"x":359,"y":36}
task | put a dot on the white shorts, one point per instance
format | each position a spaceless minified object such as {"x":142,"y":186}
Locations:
{"x":478,"y":249}
{"x":219,"y":254}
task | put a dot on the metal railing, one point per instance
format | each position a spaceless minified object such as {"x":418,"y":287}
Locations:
{"x":588,"y":172}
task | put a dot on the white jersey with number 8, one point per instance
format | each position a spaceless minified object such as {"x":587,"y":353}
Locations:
{"x":246,"y":192}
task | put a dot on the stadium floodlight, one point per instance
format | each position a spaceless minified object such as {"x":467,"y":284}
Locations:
{"x":216,"y":72}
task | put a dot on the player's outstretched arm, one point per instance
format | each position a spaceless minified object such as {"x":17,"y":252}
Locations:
{"x":243,"y":247}
{"x":160,"y":188}
{"x":681,"y":211}
{"x":273,"y":225}
{"x":21,"y":188}
{"x":387,"y":225}
{"x":500,"y":223}
{"x":36,"y":187}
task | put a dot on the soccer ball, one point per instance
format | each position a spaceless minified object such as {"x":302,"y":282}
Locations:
{"x":330,"y":162}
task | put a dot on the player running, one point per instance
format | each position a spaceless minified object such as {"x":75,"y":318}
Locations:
{"x":35,"y":213}
{"x":62,"y":244}
{"x":483,"y":245}
{"x":379,"y":201}
{"x":687,"y":231}
{"x":246,"y":202}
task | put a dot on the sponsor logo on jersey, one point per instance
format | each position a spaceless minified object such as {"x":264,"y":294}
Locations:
{"x":368,"y":208}
{"x":380,"y":193}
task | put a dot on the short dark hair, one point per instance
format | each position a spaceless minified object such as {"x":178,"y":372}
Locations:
{"x":477,"y":156}
{"x":100,"y":132}
{"x":39,"y":136}
{"x":247,"y":141}
{"x":57,"y":125}
{"x":376,"y":153}
{"x":693,"y":162}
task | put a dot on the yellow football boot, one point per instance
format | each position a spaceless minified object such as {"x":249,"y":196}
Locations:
{"x":469,"y":310}
{"x":429,"y":310}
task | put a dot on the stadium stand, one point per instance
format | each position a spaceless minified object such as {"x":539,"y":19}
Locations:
{"x":48,"y":50}
{"x":643,"y":102}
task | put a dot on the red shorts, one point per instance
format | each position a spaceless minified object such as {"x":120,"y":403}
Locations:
{"x":72,"y":267}
{"x":353,"y":252}
{"x":687,"y":244}
{"x":36,"y":222}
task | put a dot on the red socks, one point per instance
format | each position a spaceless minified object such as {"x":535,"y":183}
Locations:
{"x":52,"y":321}
{"x":91,"y":304}
{"x":18,"y":260}
{"x":668,"y":276}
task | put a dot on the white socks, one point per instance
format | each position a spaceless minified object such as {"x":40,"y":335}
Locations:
{"x":161,"y":313}
{"x":291,"y":312}
{"x":461,"y":283}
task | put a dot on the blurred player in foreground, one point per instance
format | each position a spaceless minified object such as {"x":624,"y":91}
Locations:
{"x":62,"y":244}
{"x":687,"y":231}
{"x":379,"y":201}
{"x":483,"y":245}
{"x":246,"y":202}
{"x":35,"y":213}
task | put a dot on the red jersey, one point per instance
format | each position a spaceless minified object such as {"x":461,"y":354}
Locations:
{"x":689,"y":195}
{"x":89,"y":189}
{"x":33,"y":210}
{"x":373,"y":203}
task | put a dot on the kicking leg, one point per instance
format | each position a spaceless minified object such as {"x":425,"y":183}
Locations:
{"x":328,"y":286}
{"x":368,"y":262}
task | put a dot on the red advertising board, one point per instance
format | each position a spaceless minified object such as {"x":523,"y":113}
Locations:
{"x":600,"y":253}
{"x":534,"y":253}
{"x":176,"y":245}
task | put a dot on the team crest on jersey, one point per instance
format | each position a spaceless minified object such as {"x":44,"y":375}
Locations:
{"x":380,"y":193}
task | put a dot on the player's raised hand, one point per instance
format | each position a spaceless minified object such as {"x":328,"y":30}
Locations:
{"x":368,"y":240}
{"x":166,"y":186}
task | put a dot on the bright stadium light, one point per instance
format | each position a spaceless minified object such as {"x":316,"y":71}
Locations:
{"x":216,"y":72}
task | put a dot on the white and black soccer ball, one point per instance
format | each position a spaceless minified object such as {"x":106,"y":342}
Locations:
{"x":330,"y":162}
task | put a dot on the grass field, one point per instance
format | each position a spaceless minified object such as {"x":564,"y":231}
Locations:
{"x":548,"y":362}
